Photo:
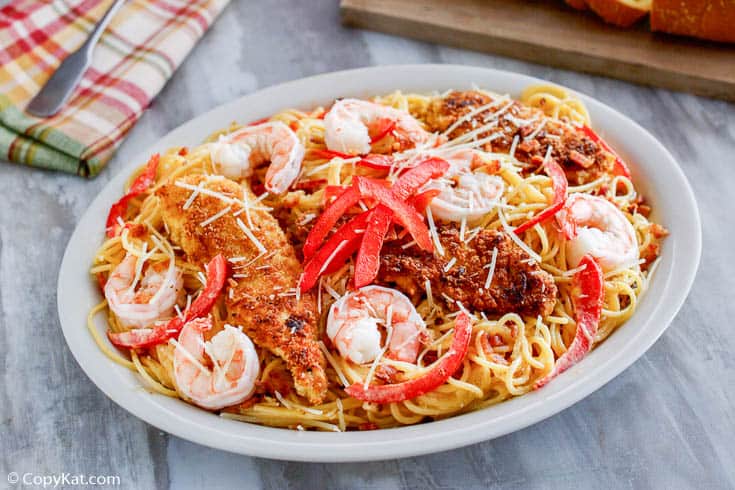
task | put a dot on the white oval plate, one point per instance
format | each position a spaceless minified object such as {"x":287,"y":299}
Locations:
{"x":656,"y":173}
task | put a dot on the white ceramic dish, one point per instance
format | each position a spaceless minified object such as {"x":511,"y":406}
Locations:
{"x":655,"y":172}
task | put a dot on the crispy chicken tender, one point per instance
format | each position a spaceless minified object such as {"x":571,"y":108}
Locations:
{"x":517,"y":286}
{"x":277,"y":322}
{"x":582,"y":159}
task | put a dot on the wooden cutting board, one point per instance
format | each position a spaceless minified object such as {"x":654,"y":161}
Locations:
{"x":550,"y":33}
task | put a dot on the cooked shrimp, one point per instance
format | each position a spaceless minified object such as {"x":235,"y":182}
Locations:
{"x":349,"y":124}
{"x":353,"y":321}
{"x":138,"y":304}
{"x":465,"y":194}
{"x":236,"y":155}
{"x":234,"y":360}
{"x":599,"y":229}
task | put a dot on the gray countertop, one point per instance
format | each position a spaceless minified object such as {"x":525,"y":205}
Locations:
{"x":666,"y":422}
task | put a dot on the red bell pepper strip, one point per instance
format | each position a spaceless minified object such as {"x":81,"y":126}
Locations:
{"x":587,"y":310}
{"x":421,"y":201}
{"x":372,"y":160}
{"x":367,"y":263}
{"x":559,"y":184}
{"x":377,"y":162}
{"x":329,"y":154}
{"x":338,"y":248}
{"x":331,"y":191}
{"x":386,"y":126}
{"x":413,"y":179}
{"x":434,"y":377}
{"x":406,"y":185}
{"x":345,"y":240}
{"x":403,"y":213}
{"x":621,"y":168}
{"x":345,"y":252}
{"x":139,"y":186}
{"x":329,"y":218}
{"x":140,"y":338}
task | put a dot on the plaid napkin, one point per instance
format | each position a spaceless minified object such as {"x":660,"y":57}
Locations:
{"x":142,"y":46}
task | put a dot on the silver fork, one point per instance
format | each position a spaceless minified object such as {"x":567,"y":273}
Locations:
{"x":59,"y":87}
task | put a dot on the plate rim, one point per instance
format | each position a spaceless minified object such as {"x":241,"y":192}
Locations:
{"x":456,"y":431}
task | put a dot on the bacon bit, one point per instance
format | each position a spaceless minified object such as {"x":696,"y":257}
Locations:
{"x":581,"y":160}
{"x":368,"y":426}
{"x":430,"y":358}
{"x":309,"y":185}
{"x":659,"y":231}
{"x":183,"y":151}
{"x":529,"y":146}
{"x":649,"y":254}
{"x":136,"y":230}
{"x":491,"y":168}
{"x":386,"y":373}
{"x":488,"y":342}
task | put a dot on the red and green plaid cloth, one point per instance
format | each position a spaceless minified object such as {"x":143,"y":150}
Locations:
{"x":143,"y":45}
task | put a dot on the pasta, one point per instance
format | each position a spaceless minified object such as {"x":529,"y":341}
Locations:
{"x":508,"y":353}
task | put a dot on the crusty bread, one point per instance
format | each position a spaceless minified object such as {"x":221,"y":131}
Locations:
{"x":577,"y":4}
{"x":706,"y":19}
{"x":623,"y":13}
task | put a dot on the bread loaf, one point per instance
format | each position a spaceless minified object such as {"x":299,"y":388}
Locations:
{"x":622,"y":13}
{"x":705,"y":19}
{"x":577,"y":4}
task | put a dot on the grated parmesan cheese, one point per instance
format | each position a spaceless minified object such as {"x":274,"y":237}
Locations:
{"x":491,"y":268}
{"x":434,"y":234}
{"x":334,"y":364}
{"x":215,"y":217}
{"x":429,"y":295}
{"x":251,"y":236}
{"x":514,"y":237}
{"x":450,"y":264}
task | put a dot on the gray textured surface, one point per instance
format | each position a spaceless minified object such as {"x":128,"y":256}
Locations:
{"x":666,"y":422}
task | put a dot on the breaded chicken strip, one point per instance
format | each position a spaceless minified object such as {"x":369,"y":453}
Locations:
{"x":274,"y":320}
{"x":583,"y":160}
{"x":517,"y":285}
